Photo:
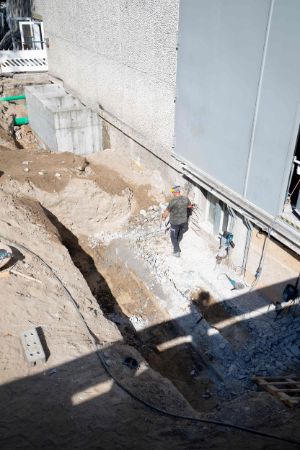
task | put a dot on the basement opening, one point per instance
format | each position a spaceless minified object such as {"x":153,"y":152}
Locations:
{"x":291,"y":211}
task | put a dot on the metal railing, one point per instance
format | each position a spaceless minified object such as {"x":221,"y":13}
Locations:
{"x":18,"y":61}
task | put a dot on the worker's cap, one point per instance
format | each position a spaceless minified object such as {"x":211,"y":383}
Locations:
{"x":175,"y":189}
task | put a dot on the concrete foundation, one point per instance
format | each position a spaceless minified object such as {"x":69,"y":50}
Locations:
{"x":61,"y":121}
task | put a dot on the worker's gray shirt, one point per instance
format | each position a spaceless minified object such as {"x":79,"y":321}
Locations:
{"x":178,"y":209}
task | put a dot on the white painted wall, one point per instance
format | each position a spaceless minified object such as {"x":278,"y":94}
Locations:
{"x":119,"y":57}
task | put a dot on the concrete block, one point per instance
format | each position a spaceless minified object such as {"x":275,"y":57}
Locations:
{"x":32,"y":346}
{"x":61,"y":121}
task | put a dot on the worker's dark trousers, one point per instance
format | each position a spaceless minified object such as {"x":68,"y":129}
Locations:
{"x":176,"y":232}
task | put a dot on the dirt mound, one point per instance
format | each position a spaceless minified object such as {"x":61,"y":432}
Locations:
{"x":72,"y":398}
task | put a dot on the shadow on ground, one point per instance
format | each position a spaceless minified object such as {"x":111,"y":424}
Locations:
{"x":78,"y":405}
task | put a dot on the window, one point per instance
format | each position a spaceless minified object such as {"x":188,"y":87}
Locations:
{"x":32,"y":35}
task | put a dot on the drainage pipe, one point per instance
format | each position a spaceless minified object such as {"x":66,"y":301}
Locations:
{"x":13,"y":97}
{"x":21,"y":120}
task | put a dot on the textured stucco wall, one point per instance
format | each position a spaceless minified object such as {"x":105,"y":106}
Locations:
{"x":119,"y":57}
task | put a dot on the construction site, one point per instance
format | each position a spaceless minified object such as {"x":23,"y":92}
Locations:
{"x":108,"y":341}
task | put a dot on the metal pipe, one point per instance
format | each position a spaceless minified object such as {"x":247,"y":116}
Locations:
{"x":21,"y":120}
{"x":247,"y":246}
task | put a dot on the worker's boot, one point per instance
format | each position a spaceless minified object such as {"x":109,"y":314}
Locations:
{"x":177,"y":254}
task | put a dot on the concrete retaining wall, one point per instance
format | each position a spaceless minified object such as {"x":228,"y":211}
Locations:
{"x":61,"y":122}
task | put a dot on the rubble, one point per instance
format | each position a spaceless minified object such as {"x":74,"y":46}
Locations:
{"x":267,"y":338}
{"x":138,"y":322}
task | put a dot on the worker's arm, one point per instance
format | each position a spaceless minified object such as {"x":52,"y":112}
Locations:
{"x":190,"y":205}
{"x":165,"y":214}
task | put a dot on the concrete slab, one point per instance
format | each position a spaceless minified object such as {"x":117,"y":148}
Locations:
{"x":32,"y":346}
{"x":61,"y":121}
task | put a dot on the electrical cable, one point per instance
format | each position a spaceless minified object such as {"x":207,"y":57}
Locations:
{"x":290,"y":195}
{"x":121,"y":385}
{"x":262,"y":256}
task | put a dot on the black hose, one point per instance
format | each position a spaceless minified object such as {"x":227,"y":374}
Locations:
{"x":128,"y":391}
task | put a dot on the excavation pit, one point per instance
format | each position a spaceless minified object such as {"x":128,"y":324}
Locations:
{"x":177,"y":362}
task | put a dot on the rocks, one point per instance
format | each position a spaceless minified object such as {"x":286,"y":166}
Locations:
{"x":163,"y":206}
{"x":295,"y":350}
{"x":82,"y":166}
{"x":138,"y":322}
{"x":25,"y":137}
{"x":206,"y":395}
{"x":154,"y":208}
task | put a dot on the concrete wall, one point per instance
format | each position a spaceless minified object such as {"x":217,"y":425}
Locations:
{"x":61,"y":122}
{"x":119,"y":57}
{"x":238,"y":94}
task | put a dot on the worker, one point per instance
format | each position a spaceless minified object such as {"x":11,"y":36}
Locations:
{"x":178,"y":211}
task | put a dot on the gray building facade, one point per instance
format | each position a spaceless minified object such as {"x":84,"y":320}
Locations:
{"x":238,"y":94}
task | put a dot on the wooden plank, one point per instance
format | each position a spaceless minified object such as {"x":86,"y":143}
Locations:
{"x":283,"y":377}
{"x":297,"y":382}
{"x":275,"y":383}
{"x":281,"y":387}
{"x":289,"y":401}
{"x":289,"y":390}
{"x":272,"y":389}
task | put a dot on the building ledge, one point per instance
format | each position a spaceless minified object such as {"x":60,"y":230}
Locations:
{"x":277,"y":227}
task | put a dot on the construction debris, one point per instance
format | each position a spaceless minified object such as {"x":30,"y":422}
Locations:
{"x":27,"y":277}
{"x":32,"y":347}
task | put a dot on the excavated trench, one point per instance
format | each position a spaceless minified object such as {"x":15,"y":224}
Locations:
{"x":121,"y":293}
{"x":180,"y":364}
